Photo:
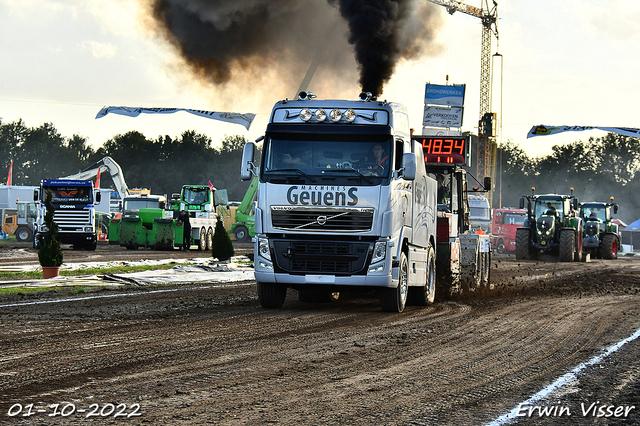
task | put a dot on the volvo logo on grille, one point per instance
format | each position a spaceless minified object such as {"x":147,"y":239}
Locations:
{"x":321,"y":220}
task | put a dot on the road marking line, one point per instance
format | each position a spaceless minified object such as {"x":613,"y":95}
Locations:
{"x":560,"y":382}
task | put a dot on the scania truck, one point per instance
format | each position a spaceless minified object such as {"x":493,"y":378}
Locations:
{"x":333,"y":214}
{"x":74,"y":203}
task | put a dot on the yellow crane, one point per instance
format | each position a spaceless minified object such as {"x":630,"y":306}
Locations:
{"x":487,"y":129}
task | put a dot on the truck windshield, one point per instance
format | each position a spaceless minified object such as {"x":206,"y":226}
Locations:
{"x":308,"y":156}
{"x":549,"y":207}
{"x":479,"y":212}
{"x":196,"y":195}
{"x":70,"y":194}
{"x":514,"y":218}
{"x":134,"y":206}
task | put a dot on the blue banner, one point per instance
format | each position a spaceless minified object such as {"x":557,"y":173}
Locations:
{"x":436,"y":94}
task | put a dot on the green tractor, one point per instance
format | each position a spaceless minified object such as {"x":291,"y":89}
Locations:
{"x":552,"y":227}
{"x":601,"y":235}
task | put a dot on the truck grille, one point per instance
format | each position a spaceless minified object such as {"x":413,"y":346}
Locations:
{"x":72,"y":220}
{"x":327,"y":257}
{"x":322,"y":219}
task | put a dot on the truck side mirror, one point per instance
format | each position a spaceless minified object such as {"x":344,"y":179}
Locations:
{"x":98,"y":197}
{"x":487,"y":183}
{"x":521,"y":202}
{"x":615,"y":209}
{"x":35,"y":195}
{"x":409,"y":166}
{"x":576,"y":204}
{"x":246,"y":169}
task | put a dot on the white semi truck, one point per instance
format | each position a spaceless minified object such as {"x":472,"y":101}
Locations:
{"x":331,"y":215}
{"x":74,"y":204}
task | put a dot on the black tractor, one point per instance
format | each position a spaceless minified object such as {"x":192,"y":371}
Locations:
{"x":552,"y":226}
{"x":601,"y":238}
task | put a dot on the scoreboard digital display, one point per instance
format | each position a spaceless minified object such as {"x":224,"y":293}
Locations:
{"x":444,"y":150}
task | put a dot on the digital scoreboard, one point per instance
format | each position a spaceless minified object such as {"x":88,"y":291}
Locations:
{"x":445,"y":150}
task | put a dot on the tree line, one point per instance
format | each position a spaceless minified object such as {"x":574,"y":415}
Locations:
{"x":597,"y":169}
{"x":162,"y":165}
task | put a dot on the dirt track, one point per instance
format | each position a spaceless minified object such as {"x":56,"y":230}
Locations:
{"x":204,"y":355}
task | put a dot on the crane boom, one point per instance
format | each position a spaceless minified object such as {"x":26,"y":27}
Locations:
{"x":489,"y":17}
{"x":114,"y":170}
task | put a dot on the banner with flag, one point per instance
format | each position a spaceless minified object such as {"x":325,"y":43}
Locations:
{"x":10,"y":173}
{"x":552,"y":130}
{"x":211,"y":187}
{"x":229,"y":117}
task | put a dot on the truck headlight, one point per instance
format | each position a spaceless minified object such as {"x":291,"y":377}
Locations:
{"x":263,"y":248}
{"x":379,"y":252}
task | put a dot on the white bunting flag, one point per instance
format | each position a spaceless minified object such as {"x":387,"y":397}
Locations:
{"x":229,"y":117}
{"x":552,"y":130}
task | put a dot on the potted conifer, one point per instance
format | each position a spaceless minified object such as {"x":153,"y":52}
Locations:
{"x":49,"y":251}
{"x":221,"y":245}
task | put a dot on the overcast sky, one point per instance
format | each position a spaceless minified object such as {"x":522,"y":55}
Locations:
{"x":573,"y":62}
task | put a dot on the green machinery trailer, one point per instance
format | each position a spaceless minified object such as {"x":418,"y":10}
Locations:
{"x":243,"y":226}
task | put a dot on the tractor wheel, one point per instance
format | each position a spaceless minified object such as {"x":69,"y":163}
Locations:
{"x":577,"y":257}
{"x":242,"y":234}
{"x":609,"y":247}
{"x":24,"y":234}
{"x":567,"y":243}
{"x":523,"y":236}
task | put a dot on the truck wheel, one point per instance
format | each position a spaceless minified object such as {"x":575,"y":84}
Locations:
{"x":486,"y":270}
{"x":395,"y":299}
{"x":609,"y":247}
{"x":567,"y":243}
{"x":271,"y":295}
{"x":24,"y":234}
{"x":202,"y":243}
{"x":242,"y":234}
{"x":522,"y":244}
{"x":209,"y":239}
{"x":423,"y":296}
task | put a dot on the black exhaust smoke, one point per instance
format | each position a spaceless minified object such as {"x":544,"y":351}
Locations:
{"x":223,"y":40}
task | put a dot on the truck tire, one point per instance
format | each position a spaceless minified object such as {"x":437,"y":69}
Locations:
{"x":242,"y":234}
{"x":271,"y":295}
{"x":523,"y":236}
{"x":209,"y":239}
{"x":425,"y":295}
{"x":485,"y":280}
{"x":395,"y":299}
{"x":609,"y":247}
{"x":24,"y":234}
{"x":202,"y":242}
{"x":567,"y":244}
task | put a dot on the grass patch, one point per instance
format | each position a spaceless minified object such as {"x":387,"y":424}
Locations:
{"x":88,"y":271}
{"x":10,"y":239}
